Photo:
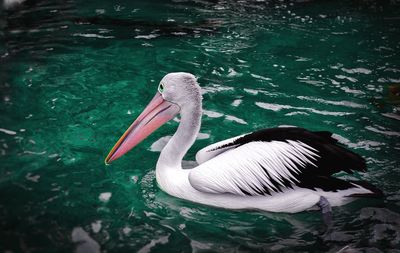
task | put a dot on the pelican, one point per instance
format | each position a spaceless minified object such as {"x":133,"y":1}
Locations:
{"x":286,"y":169}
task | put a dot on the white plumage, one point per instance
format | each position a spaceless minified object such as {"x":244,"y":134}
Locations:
{"x":251,"y":167}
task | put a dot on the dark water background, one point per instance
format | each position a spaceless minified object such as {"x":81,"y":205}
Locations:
{"x":74,"y":74}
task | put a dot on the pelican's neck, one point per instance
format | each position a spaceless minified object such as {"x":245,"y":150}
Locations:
{"x":172,"y":154}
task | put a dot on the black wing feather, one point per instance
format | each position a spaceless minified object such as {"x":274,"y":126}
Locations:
{"x":333,"y":158}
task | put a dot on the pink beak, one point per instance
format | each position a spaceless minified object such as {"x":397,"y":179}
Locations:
{"x":156,"y":113}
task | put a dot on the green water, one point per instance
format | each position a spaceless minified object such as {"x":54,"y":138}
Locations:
{"x":75,"y":74}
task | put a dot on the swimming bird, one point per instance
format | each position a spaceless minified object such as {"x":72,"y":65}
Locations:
{"x":287,"y":169}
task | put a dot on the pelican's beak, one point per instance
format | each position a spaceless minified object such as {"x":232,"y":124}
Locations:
{"x":156,"y":113}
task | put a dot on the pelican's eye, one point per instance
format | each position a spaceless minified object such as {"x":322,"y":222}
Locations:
{"x":161,"y":88}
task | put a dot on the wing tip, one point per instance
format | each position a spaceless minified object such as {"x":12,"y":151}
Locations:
{"x":375,"y":192}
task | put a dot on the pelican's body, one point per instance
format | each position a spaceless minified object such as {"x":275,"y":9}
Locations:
{"x":277,"y":170}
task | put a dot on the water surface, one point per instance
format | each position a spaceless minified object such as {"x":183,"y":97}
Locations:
{"x":75,"y":74}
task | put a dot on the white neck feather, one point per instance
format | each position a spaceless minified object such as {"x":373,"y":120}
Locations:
{"x":169,"y":165}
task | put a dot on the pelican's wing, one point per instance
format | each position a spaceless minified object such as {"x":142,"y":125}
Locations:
{"x":215,"y":149}
{"x":272,"y":160}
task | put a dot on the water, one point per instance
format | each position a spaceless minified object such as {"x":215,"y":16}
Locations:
{"x":74,"y":74}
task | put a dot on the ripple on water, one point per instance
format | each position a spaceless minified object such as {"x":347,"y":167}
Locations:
{"x":212,"y":114}
{"x":279,"y":107}
{"x":312,"y":82}
{"x":93,"y":35}
{"x":363,"y":144}
{"x":214,"y":88}
{"x":392,"y":115}
{"x":270,"y":94}
{"x":235,"y":119}
{"x":147,"y":37}
{"x":331,"y":102}
{"x":357,"y":71}
{"x":6,"y":131}
{"x":237,"y":102}
{"x":261,"y":77}
{"x":343,"y":77}
{"x":352,"y":91}
{"x":382,"y":130}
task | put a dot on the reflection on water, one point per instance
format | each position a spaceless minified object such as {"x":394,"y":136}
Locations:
{"x":75,"y":74}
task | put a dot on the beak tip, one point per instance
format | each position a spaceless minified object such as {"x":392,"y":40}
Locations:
{"x":110,"y":158}
{"x":107,"y":161}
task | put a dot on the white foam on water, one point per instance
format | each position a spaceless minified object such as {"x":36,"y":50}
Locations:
{"x":105,"y":197}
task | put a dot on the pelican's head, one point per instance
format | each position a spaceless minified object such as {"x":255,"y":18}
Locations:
{"x":176,"y":92}
{"x":179,"y":88}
